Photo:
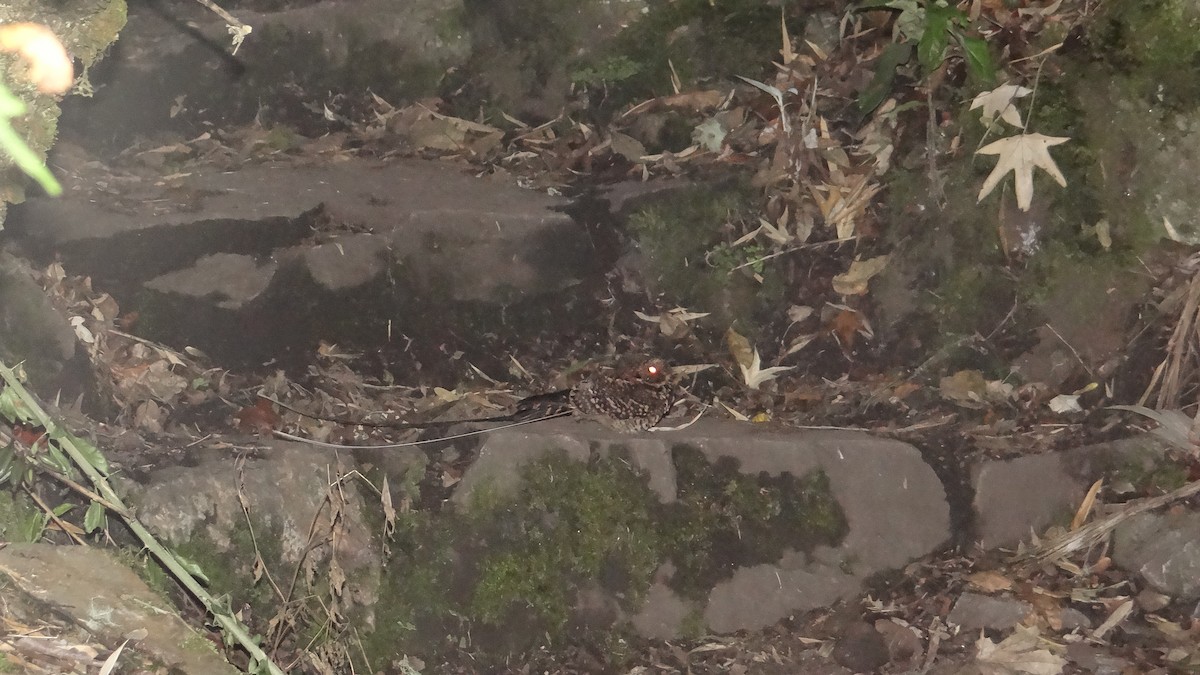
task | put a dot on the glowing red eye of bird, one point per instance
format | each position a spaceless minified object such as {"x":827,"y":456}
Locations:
{"x":652,"y":370}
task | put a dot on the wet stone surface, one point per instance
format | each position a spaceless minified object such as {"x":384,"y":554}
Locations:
{"x":263,"y":263}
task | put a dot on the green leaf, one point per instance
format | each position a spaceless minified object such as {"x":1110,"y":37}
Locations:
{"x":31,"y":527}
{"x":55,"y":459}
{"x":910,"y":25}
{"x":194,"y":570}
{"x":885,"y":73}
{"x":12,"y":407}
{"x":931,"y":50}
{"x":7,"y":458}
{"x":979,"y":59}
{"x":886,"y":4}
{"x":90,"y":452}
{"x":94,"y":519}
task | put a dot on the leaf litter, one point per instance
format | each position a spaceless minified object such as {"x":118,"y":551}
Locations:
{"x":820,"y":180}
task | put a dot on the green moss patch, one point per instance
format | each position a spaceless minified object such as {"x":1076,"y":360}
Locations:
{"x":684,"y":237}
{"x":571,"y":525}
{"x":699,"y":39}
{"x":725,"y":519}
{"x":510,"y":570}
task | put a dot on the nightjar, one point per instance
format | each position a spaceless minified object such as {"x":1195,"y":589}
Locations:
{"x":629,"y":400}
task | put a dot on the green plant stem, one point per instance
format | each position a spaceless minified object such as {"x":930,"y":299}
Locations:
{"x":66,"y":441}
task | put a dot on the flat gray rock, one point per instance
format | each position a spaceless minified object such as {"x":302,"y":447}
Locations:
{"x":172,"y":71}
{"x":198,"y":510}
{"x":974,"y":611}
{"x":1024,"y":495}
{"x":1164,"y":548}
{"x":265,"y":262}
{"x":894,"y":506}
{"x":109,"y":600}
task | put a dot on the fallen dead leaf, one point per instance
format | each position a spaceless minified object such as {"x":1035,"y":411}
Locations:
{"x":627,"y":146}
{"x":990,"y":581}
{"x":259,"y":418}
{"x":1114,"y":619}
{"x":999,"y":101}
{"x":800,"y":343}
{"x":674,"y":322}
{"x":1065,"y":403}
{"x":755,"y":375}
{"x":148,"y":416}
{"x":1017,"y":654}
{"x":741,"y":417}
{"x":153,"y":380}
{"x":855,"y":280}
{"x":845,"y":326}
{"x":966,"y":387}
{"x":1021,"y":154}
{"x":702,"y":99}
{"x":740,"y":348}
{"x":798,"y":313}
{"x":1085,"y":507}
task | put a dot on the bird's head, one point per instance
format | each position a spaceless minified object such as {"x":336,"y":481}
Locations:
{"x":652,"y":371}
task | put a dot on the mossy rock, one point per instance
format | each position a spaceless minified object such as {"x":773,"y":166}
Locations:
{"x":686,"y":254}
{"x":591,"y":530}
{"x":86,"y":29}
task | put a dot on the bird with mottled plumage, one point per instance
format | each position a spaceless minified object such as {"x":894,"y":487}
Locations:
{"x":630,"y":400}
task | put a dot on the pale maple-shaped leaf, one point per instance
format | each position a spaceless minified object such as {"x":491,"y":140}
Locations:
{"x":755,"y":374}
{"x":1020,"y":154}
{"x":999,"y":101}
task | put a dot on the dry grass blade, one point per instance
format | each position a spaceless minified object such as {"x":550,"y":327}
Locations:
{"x":1180,"y":364}
{"x":1094,"y":533}
{"x":1085,"y":508}
{"x":111,"y":662}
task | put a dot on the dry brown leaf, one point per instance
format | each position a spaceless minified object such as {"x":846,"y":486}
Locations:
{"x":799,"y":343}
{"x":1018,"y":654}
{"x":798,"y":313}
{"x":855,"y":280}
{"x":739,"y":347}
{"x":704,"y":99}
{"x":1085,"y":507}
{"x":259,"y":418}
{"x":148,"y":416}
{"x":786,"y":52}
{"x":739,"y":416}
{"x":990,"y":581}
{"x":845,"y":326}
{"x":673,"y":323}
{"x":149,"y":380}
{"x":627,"y":146}
{"x":966,"y":387}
